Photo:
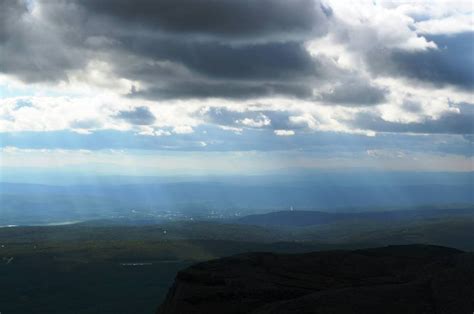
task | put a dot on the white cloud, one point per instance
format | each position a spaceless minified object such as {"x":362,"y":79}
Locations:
{"x":448,"y":25}
{"x":284,"y":132}
{"x":151,"y":131}
{"x":255,"y":123}
{"x":367,"y":24}
{"x":183,"y":129}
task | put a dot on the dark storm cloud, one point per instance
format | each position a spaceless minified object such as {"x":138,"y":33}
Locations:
{"x":452,"y":63}
{"x":137,"y":116}
{"x":207,"y":43}
{"x":182,"y":49}
{"x":215,"y":18}
{"x":216,"y":70}
{"x":449,"y":123}
{"x":172,"y":68}
{"x":258,"y":61}
{"x":355,"y":93}
{"x":197,"y":89}
{"x":10,"y":10}
{"x":33,"y":49}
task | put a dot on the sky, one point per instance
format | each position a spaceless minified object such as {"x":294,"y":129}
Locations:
{"x":235,"y":86}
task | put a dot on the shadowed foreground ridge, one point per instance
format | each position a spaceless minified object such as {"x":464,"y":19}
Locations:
{"x":394,"y":279}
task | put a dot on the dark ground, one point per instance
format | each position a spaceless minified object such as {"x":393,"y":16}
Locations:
{"x":411,"y":279}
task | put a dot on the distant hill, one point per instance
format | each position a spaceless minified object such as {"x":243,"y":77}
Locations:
{"x":299,"y":218}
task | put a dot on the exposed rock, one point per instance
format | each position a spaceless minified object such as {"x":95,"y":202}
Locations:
{"x":395,"y":279}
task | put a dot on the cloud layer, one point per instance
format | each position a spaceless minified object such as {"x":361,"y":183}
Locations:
{"x":254,"y":72}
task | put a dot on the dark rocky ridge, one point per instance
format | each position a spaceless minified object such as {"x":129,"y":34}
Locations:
{"x":395,"y":279}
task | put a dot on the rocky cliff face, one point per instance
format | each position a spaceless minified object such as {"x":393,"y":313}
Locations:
{"x":397,"y":279}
